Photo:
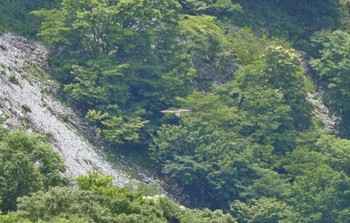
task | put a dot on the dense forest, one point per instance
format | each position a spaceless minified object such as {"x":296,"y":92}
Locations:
{"x":215,"y":95}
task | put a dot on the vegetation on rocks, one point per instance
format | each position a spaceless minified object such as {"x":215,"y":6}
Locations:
{"x":215,"y":93}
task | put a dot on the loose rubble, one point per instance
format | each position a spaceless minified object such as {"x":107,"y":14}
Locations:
{"x":25,"y":103}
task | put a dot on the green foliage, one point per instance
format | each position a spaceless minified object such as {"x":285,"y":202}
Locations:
{"x":27,"y":165}
{"x":294,"y":20}
{"x":99,"y":201}
{"x":204,"y":216}
{"x":284,"y":73}
{"x":13,"y":218}
{"x":126,"y":61}
{"x":243,"y":128}
{"x":313,"y":190}
{"x":247,"y":142}
{"x":210,"y":49}
{"x":62,"y":203}
{"x":247,"y":46}
{"x":264,"y":210}
{"x":26,"y":108}
{"x":322,"y":195}
{"x":205,"y":160}
{"x":331,"y":62}
{"x":15,"y":15}
{"x":13,"y":79}
{"x":271,"y":97}
{"x":210,"y":108}
{"x":335,"y":151}
{"x":223,"y":9}
{"x":116,"y":129}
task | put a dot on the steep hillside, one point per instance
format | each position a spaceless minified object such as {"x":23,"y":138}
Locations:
{"x":244,"y":105}
{"x":26,"y":102}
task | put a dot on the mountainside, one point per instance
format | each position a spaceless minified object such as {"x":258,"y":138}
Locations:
{"x":26,"y":101}
{"x":242,"y":106}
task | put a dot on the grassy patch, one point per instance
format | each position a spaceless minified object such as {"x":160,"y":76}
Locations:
{"x":41,"y":74}
{"x":26,"y":108}
{"x":13,"y":79}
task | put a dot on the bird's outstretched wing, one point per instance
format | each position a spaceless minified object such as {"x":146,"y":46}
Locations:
{"x":167,"y":111}
{"x":177,"y":112}
{"x":183,"y":110}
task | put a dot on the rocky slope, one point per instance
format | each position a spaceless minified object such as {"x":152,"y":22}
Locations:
{"x":25,"y":102}
{"x":321,"y":111}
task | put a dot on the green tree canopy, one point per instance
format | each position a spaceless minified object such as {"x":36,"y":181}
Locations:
{"x":120,"y":59}
{"x":98,"y":201}
{"x":27,"y":165}
{"x":331,"y":63}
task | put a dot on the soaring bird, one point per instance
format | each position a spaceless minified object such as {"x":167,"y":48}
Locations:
{"x":177,"y":112}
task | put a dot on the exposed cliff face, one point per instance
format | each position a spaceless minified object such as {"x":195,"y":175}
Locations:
{"x":25,"y":103}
